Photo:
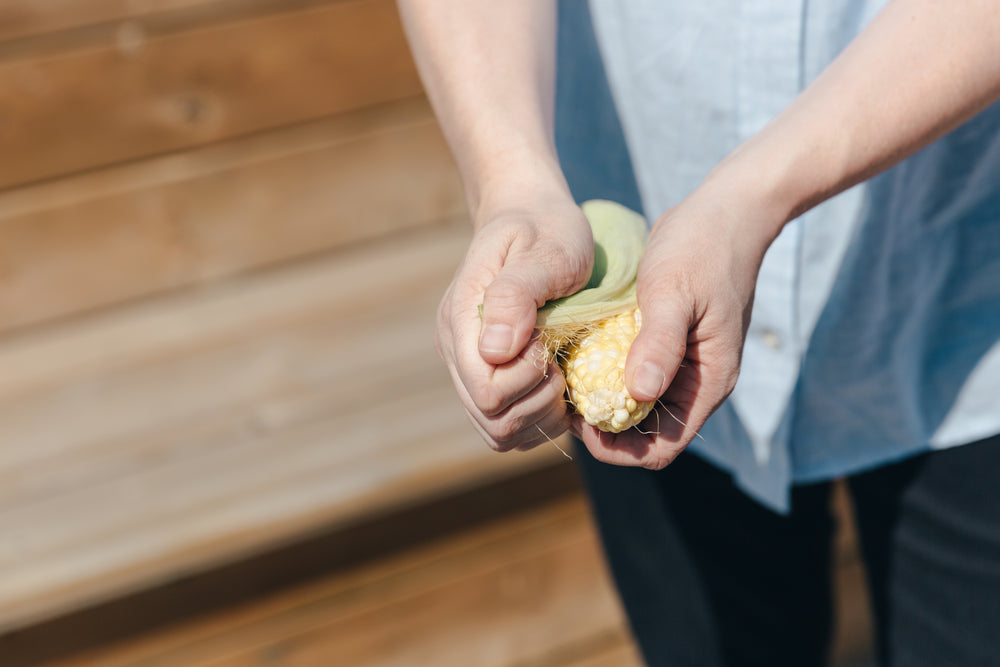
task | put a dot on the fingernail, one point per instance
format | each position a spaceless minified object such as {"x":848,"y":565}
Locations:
{"x":648,"y":380}
{"x":496,"y":338}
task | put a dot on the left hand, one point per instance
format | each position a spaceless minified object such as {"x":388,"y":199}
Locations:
{"x":695,"y":290}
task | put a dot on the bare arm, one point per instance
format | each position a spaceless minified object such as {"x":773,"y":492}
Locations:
{"x":488,"y":68}
{"x":920,"y":69}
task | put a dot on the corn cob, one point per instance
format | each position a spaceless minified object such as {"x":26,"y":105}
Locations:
{"x":594,"y":368}
{"x":590,"y":332}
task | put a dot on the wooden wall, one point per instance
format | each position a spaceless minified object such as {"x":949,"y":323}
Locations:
{"x":150,"y":145}
{"x":224,"y":228}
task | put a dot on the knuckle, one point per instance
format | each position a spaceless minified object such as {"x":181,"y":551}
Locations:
{"x":730,"y":379}
{"x":660,"y":275}
{"x":659,"y":460}
{"x":571,"y":269}
{"x":498,"y":446}
{"x":724,"y":378}
{"x":507,"y":433}
{"x":666,"y":348}
{"x":507,"y":291}
{"x":673,"y":347}
{"x":489,"y":400}
{"x":554,"y":386}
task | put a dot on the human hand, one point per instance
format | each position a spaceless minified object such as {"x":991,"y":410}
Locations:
{"x":695,"y":291}
{"x":520,"y":257}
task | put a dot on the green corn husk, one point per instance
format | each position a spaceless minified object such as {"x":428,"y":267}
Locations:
{"x":619,"y":242}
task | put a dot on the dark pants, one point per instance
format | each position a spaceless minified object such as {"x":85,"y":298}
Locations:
{"x":710,"y":577}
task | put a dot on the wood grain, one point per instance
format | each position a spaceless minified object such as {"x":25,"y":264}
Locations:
{"x":247,"y":581}
{"x":503,"y":612}
{"x":624,"y":654}
{"x":153,"y":440}
{"x":853,"y":627}
{"x":96,"y":239}
{"x":512,"y":592}
{"x":151,"y":93}
{"x":24,"y":18}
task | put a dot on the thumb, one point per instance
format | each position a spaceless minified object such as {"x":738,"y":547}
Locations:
{"x":658,"y":349}
{"x":510,"y":307}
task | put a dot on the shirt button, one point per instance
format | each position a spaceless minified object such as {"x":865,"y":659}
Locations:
{"x":771,"y":339}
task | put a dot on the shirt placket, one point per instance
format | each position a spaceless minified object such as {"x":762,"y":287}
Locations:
{"x":768,"y":79}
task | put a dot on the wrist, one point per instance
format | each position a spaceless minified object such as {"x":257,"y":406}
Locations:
{"x":751,"y":205}
{"x":776,"y":176}
{"x":526,"y":182}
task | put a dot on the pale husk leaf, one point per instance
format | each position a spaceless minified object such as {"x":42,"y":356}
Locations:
{"x":619,"y":242}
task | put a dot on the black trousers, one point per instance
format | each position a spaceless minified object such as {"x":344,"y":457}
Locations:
{"x":709,"y":577}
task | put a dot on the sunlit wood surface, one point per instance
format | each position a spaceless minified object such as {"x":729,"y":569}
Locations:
{"x":525,"y":590}
{"x":518,"y":581}
{"x":224,"y":229}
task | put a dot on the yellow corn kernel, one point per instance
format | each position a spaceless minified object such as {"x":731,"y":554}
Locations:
{"x":595,"y":374}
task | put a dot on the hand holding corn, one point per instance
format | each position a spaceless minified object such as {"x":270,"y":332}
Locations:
{"x":591,"y":331}
{"x":687,"y":312}
{"x":520,"y":257}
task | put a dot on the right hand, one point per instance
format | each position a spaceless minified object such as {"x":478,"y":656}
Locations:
{"x":695,"y":289}
{"x":521,"y":256}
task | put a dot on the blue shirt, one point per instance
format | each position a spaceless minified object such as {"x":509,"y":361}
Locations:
{"x":875,"y":332}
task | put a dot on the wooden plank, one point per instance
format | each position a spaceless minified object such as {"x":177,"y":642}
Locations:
{"x":92,"y":240}
{"x":158,"y":439}
{"x":506,"y":615}
{"x":853,"y":631}
{"x":624,"y":654}
{"x":123,"y":99}
{"x":24,"y":18}
{"x":853,"y":625}
{"x":307,"y":559}
{"x":502,"y":594}
{"x":29,"y":28}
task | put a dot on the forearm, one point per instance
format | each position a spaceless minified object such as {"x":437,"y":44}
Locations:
{"x":918,"y":71}
{"x":489,"y":68}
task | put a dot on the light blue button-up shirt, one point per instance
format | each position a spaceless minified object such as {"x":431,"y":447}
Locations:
{"x":876,"y":327}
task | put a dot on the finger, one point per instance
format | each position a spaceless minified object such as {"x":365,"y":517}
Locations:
{"x":659,"y":348}
{"x":699,"y":388}
{"x":548,"y":428}
{"x":510,"y":306}
{"x":516,"y":427}
{"x":635,"y":447}
{"x":680,"y":414}
{"x":493,"y":389}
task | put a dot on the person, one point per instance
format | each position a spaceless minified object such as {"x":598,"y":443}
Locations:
{"x":820,"y":297}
